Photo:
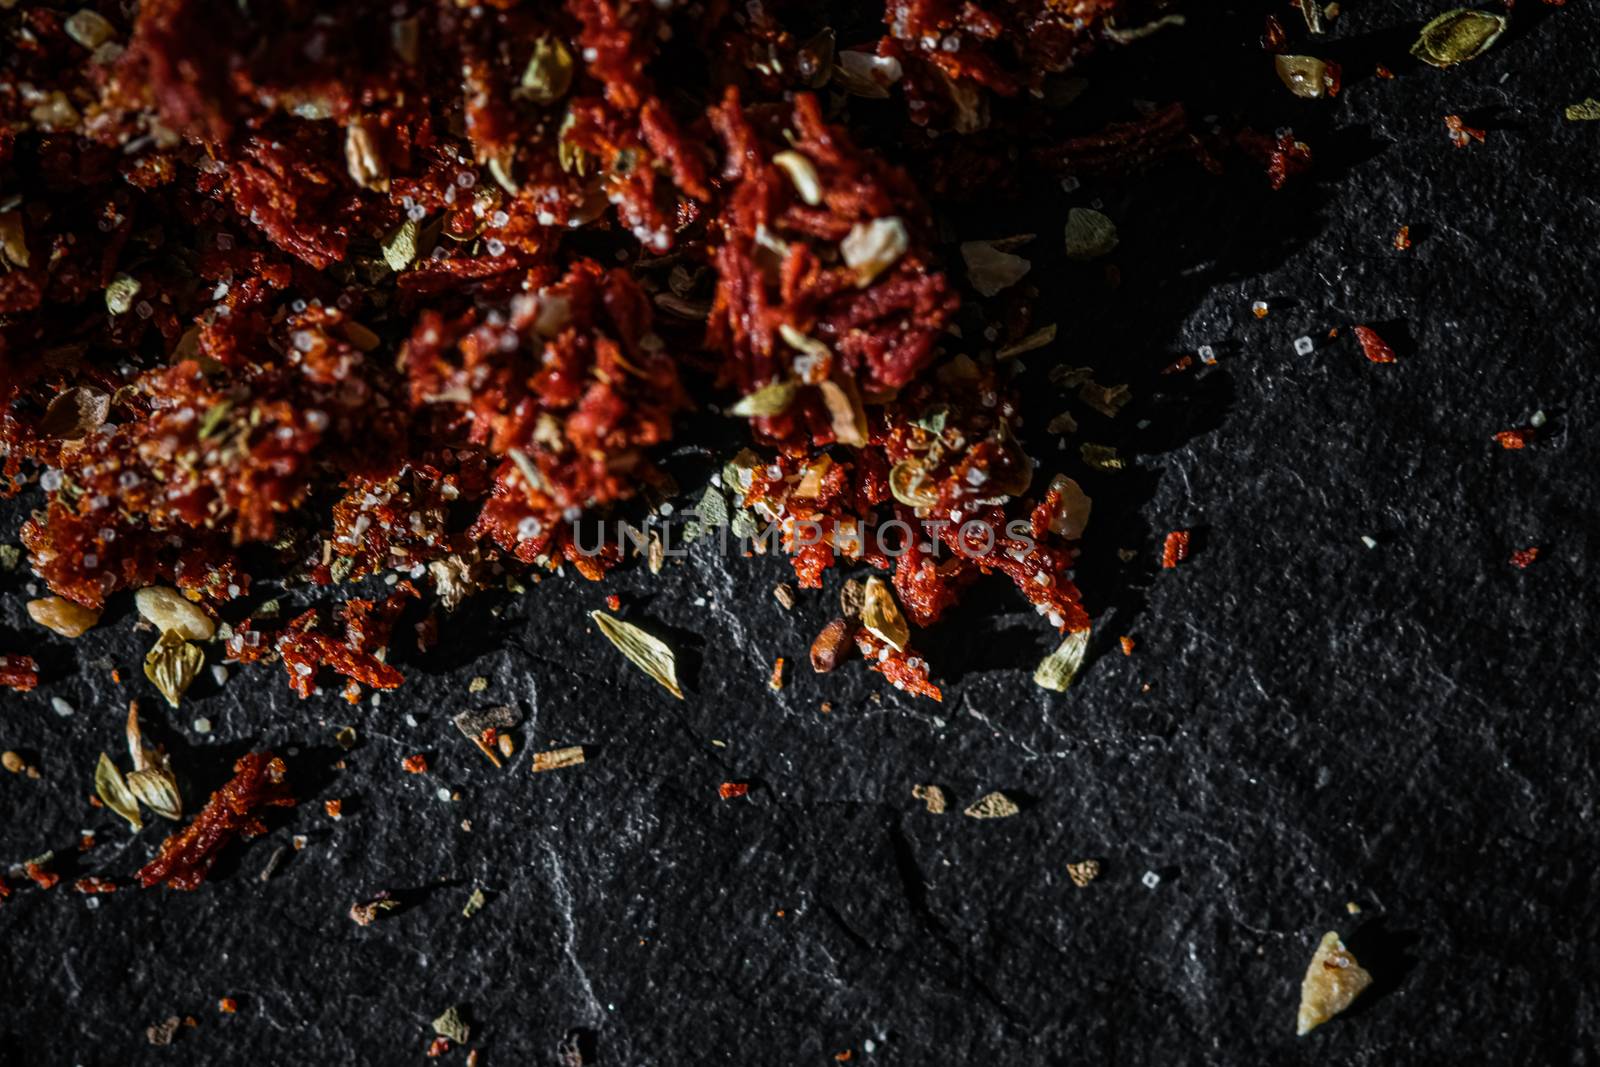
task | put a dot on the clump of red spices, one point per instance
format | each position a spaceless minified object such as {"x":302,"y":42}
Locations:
{"x":1524,"y":557}
{"x":232,"y":811}
{"x":18,"y":672}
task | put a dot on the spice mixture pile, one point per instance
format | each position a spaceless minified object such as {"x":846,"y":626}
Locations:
{"x":316,"y":294}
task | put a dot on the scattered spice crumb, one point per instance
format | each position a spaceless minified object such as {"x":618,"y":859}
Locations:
{"x":1128,"y":644}
{"x":417,"y":764}
{"x":1512,"y":440}
{"x":931,"y":796}
{"x":994,"y":805}
{"x":227,"y":1005}
{"x":1522,"y":557}
{"x":1083,"y":872}
{"x":784,"y":595}
{"x":732,"y":790}
{"x":1402,"y":239}
{"x":1259,"y":309}
{"x":334,"y":808}
{"x":775,"y":682}
{"x":1461,"y":135}
{"x":478,"y":684}
{"x":438,"y":1047}
{"x":614,"y":602}
{"x":12,"y":762}
{"x":365,"y":914}
{"x":1384,"y":72}
{"x":162,"y":1033}
{"x":1176,"y":549}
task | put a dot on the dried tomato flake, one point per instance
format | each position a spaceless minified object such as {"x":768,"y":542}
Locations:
{"x":730,"y":790}
{"x":416,"y":764}
{"x":1522,"y":557}
{"x":1512,"y":440}
{"x":187,"y":856}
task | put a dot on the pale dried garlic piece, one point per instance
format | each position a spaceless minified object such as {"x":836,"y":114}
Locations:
{"x":167,"y":609}
{"x":802,"y":173}
{"x":871,"y":248}
{"x":1333,"y":980}
{"x":932,"y":796}
{"x":881,"y":615}
{"x":62,"y":616}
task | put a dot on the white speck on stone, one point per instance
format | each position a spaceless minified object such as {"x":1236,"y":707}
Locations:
{"x":202,"y":725}
{"x":443,"y":794}
{"x":91,"y":902}
{"x":1151,"y":879}
{"x":61,"y":707}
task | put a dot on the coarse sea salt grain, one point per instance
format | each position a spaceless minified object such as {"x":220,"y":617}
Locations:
{"x":1151,"y":879}
{"x":61,"y":707}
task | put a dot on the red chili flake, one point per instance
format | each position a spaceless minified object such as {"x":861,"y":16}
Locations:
{"x":1522,"y":557}
{"x":1273,"y":38}
{"x":775,"y":682}
{"x":1384,"y":72}
{"x":227,"y":1006}
{"x":42,"y":878}
{"x":417,"y":764}
{"x":1176,"y":549}
{"x":1375,"y":347}
{"x":1127,"y":644}
{"x":1461,"y":135}
{"x":334,"y":808}
{"x":1402,"y":239}
{"x":18,"y":672}
{"x":186,"y":857}
{"x":1512,"y":440}
{"x":438,"y":1047}
{"x":730,"y":790}
{"x":614,"y":602}
{"x":93,"y":884}
{"x":1182,"y":363}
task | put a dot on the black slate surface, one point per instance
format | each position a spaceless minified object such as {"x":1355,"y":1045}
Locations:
{"x":1306,"y":722}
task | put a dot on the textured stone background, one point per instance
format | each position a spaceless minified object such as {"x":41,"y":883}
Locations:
{"x":1306,"y":722}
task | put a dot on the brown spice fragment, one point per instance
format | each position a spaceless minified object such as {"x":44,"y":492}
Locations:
{"x":12,"y":762}
{"x":557,"y":758}
{"x":162,"y":1033}
{"x":366,"y":914}
{"x":828,"y":650}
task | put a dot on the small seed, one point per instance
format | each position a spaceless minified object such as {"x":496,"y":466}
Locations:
{"x":12,"y":762}
{"x":166,"y":609}
{"x":62,"y":616}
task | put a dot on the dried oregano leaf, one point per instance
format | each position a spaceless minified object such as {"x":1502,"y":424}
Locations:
{"x":1061,"y":666}
{"x":1584,"y":111}
{"x":114,"y":793}
{"x":451,"y":1025}
{"x":772,"y":399}
{"x":650,"y":654}
{"x":400,"y":247}
{"x":549,"y":72}
{"x":881,"y":615}
{"x":1457,"y":36}
{"x":172,"y":664}
{"x":1090,"y":234}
